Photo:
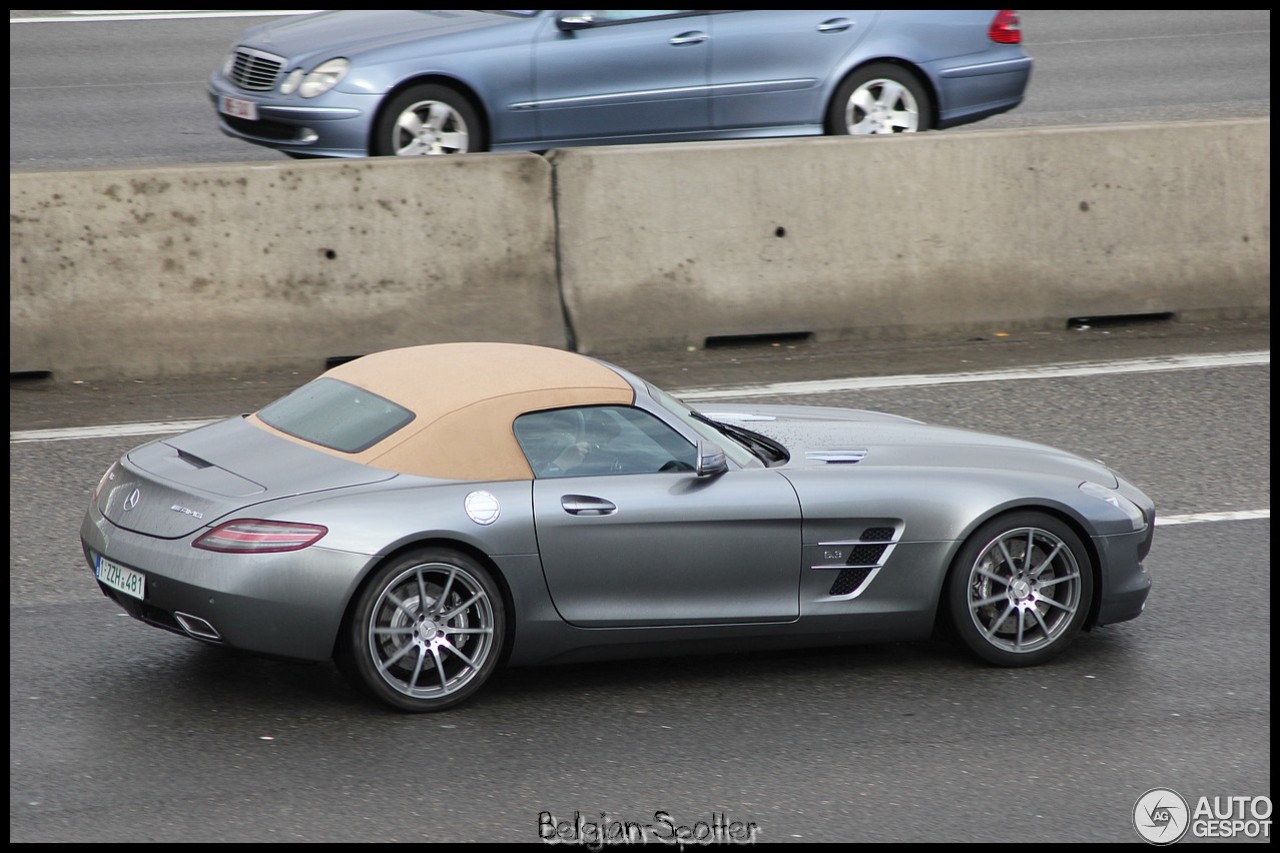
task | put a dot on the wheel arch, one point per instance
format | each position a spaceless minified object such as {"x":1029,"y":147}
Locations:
{"x":906,"y":65}
{"x":1053,"y":510}
{"x":449,"y":543}
{"x":432,"y":79}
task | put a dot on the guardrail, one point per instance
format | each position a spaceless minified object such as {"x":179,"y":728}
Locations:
{"x":176,"y":271}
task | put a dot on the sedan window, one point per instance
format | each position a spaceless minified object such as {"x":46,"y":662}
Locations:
{"x":598,"y":440}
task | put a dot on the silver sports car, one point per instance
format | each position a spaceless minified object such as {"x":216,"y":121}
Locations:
{"x":424,"y":514}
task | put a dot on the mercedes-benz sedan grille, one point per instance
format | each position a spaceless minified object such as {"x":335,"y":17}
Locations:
{"x":254,"y":70}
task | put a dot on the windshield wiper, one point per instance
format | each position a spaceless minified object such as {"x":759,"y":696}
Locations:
{"x":763,"y":448}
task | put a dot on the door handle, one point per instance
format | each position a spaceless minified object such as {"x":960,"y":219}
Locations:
{"x":691,"y":37}
{"x":835,"y":25}
{"x":587,"y":505}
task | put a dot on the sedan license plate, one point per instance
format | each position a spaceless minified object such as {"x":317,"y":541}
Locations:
{"x":238,"y":108}
{"x":120,"y":578}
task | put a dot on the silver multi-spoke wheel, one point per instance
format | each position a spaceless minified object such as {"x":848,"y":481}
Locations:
{"x":1024,"y":590}
{"x":428,"y":120}
{"x":881,"y":106}
{"x":428,"y":630}
{"x":1021,"y":589}
{"x":430,"y":127}
{"x":880,"y":98}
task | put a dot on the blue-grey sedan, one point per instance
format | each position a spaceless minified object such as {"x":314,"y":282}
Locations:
{"x":406,"y":82}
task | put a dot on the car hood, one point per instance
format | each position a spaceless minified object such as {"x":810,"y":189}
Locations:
{"x":351,"y":32}
{"x":174,"y":487}
{"x":819,"y":437}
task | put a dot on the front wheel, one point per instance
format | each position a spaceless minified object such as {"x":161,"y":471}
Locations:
{"x":427,"y":120}
{"x":427,"y":630}
{"x":1020,"y":589}
{"x":880,"y":98}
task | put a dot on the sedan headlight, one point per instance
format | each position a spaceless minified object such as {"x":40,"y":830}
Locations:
{"x":1117,"y":500}
{"x":323,"y":78}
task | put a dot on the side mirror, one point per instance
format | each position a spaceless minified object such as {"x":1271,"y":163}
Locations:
{"x":711,"y":460}
{"x":570,"y":21}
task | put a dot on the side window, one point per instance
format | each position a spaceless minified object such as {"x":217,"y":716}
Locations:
{"x":598,"y":440}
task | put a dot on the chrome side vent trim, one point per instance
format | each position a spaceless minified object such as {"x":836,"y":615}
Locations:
{"x":836,"y":457}
{"x":858,"y":561}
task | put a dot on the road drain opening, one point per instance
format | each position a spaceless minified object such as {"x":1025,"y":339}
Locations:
{"x":30,"y":375}
{"x":767,"y":340}
{"x":334,"y":360}
{"x":1115,"y":321}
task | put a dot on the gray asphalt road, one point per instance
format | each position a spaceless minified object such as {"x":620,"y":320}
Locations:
{"x":120,"y":732}
{"x":132,"y":93}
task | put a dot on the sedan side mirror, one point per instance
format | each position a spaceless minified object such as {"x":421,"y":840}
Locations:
{"x":570,"y":21}
{"x":711,"y":460}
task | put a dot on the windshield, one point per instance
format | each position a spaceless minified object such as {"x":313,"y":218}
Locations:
{"x":708,"y":429}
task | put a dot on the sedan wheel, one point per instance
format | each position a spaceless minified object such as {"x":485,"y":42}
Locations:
{"x":881,"y":98}
{"x":1021,"y":589}
{"x":428,"y":120}
{"x":427,"y":630}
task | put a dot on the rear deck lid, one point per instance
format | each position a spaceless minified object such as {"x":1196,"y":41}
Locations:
{"x":174,"y":487}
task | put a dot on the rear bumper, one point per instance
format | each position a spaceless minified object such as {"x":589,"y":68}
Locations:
{"x":288,"y":605}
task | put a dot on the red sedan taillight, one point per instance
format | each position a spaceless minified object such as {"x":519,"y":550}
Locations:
{"x":1005,"y":27}
{"x":255,"y":536}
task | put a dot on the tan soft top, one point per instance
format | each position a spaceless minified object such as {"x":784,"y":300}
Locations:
{"x":464,"y":397}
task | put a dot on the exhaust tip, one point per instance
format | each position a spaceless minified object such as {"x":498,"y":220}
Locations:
{"x":197,"y":627}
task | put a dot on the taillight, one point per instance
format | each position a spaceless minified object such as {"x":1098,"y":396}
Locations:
{"x":1005,"y":28}
{"x":254,"y":536}
{"x":107,"y":477}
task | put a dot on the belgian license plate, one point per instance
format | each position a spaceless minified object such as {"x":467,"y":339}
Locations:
{"x":120,"y":578}
{"x":238,"y":108}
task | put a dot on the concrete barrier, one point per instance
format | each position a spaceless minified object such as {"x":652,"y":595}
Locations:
{"x":173,"y":271}
{"x":670,"y":245}
{"x":177,"y":271}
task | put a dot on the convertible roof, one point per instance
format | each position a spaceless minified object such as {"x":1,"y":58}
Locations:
{"x":464,"y":397}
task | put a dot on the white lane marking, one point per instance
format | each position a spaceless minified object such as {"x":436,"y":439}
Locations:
{"x":780,"y":389}
{"x":77,"y":17}
{"x":1202,"y":517}
{"x":113,"y":431}
{"x":1051,"y":371}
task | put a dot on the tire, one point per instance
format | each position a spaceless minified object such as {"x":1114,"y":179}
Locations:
{"x":1015,"y":605}
{"x":428,"y":120}
{"x":430,"y":658}
{"x":880,"y":98}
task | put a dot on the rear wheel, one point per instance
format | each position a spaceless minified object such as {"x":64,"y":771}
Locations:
{"x":427,"y":630}
{"x":1020,"y":589}
{"x":880,"y":98}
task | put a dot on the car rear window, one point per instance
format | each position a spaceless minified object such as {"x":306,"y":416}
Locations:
{"x":334,"y":414}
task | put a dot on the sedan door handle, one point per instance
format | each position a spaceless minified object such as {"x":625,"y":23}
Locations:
{"x":835,"y":25}
{"x":587,"y":505}
{"x":691,"y":37}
